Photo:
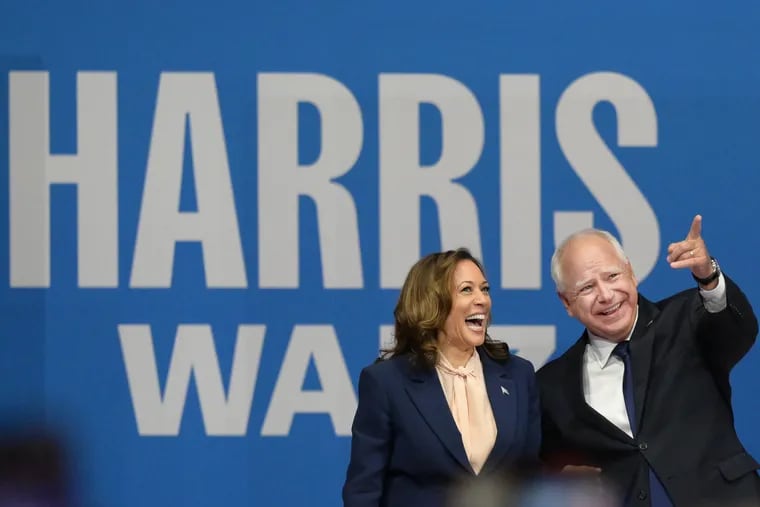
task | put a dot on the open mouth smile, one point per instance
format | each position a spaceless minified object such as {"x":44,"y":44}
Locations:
{"x":476,"y":321}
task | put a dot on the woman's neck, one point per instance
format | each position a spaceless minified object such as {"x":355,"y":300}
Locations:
{"x":456,"y":356}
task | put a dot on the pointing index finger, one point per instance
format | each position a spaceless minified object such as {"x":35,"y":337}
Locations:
{"x":696,"y":228}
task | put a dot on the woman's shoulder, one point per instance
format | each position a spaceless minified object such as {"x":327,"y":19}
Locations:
{"x":524,"y":366}
{"x":521,"y":362}
{"x":513,"y":363}
{"x":389,"y":365}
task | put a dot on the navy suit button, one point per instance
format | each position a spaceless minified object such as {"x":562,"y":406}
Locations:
{"x":643,"y":446}
{"x":642,"y":495}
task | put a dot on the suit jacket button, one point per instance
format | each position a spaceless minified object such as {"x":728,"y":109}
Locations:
{"x":642,"y":495}
{"x":643,"y":446}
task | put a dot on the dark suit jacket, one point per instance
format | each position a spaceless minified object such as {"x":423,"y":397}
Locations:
{"x":682,"y":356}
{"x":406,"y":449}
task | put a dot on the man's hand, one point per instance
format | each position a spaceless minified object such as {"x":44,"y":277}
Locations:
{"x":692,"y":252}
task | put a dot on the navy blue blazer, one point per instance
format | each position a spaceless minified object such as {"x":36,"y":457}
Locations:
{"x":682,"y":360}
{"x":406,"y":449}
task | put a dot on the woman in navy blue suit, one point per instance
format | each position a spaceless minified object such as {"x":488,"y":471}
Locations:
{"x":446,"y":404}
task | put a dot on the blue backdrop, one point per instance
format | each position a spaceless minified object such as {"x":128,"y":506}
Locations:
{"x":210,"y":207}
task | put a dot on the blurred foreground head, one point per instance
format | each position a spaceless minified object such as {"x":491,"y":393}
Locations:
{"x":32,"y":470}
{"x":554,"y":492}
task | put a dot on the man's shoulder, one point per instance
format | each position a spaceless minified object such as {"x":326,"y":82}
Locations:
{"x":556,"y":368}
{"x":677,"y":298}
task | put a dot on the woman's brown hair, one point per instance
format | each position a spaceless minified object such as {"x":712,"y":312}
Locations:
{"x":424,"y":304}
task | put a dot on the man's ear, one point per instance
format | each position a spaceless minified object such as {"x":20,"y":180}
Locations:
{"x":565,"y":303}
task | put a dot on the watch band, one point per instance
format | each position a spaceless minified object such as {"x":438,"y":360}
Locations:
{"x":713,"y":276}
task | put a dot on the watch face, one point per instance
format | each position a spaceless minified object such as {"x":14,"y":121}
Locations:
{"x":716,"y":269}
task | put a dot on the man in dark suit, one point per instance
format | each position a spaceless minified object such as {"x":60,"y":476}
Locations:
{"x":643,"y":397}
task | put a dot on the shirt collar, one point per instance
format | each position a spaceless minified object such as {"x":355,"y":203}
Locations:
{"x":600,"y":349}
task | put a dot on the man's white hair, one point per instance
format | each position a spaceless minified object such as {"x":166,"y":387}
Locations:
{"x":560,"y":251}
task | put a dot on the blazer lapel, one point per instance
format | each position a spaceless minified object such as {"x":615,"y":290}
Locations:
{"x":642,"y":345}
{"x":574,"y":393}
{"x":426,"y":393}
{"x":503,"y":397}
